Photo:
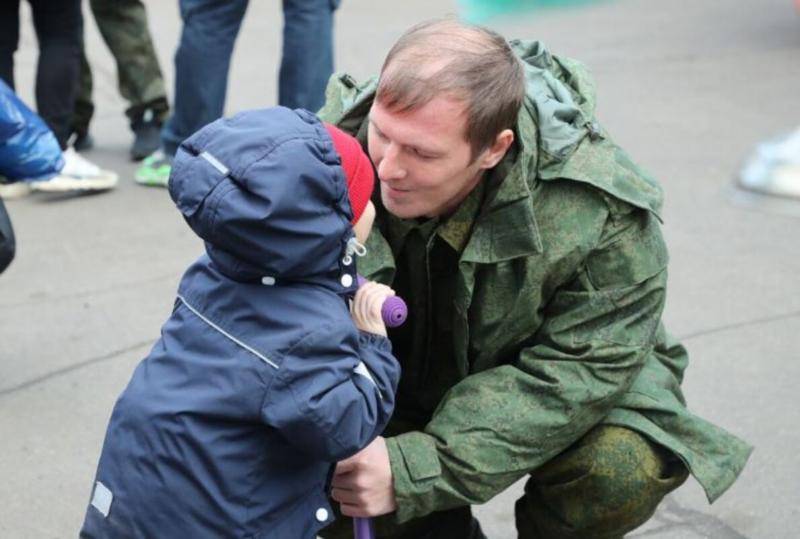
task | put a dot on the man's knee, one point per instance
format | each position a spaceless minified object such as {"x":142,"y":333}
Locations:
{"x":608,"y":483}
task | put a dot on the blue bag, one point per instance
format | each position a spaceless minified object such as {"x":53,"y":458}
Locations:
{"x":28,"y":149}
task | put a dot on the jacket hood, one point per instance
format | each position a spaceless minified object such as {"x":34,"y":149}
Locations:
{"x":564,"y":140}
{"x":266,"y":192}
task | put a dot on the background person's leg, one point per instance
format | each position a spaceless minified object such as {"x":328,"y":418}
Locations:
{"x":84,"y":108}
{"x":9,"y":38}
{"x":202,"y":62}
{"x":123,"y":25}
{"x":607,"y":484}
{"x":307,"y":58}
{"x":59,"y":29}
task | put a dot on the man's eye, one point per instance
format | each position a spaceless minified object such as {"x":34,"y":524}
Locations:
{"x":422,"y":155}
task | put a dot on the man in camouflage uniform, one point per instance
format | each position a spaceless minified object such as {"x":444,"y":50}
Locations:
{"x":528,"y":247}
{"x":123,"y":25}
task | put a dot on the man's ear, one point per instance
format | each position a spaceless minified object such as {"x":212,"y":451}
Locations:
{"x":494,"y":153}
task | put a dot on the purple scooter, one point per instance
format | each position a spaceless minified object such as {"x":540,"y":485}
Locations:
{"x":394,"y":312}
{"x":362,"y":528}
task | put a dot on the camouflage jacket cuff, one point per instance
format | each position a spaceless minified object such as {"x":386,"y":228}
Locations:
{"x":415,"y":469}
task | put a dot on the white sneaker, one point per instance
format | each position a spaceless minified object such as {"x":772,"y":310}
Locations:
{"x":9,"y":191}
{"x":78,"y":174}
{"x":774,"y":168}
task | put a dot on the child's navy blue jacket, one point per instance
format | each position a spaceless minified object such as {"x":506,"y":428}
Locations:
{"x":260,"y":381}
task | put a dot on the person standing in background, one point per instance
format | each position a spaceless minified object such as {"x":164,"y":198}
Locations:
{"x":203,"y":59}
{"x":123,"y":25}
{"x":59,"y":31}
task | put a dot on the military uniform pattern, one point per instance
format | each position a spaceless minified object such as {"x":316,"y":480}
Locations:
{"x":608,"y":483}
{"x":554,"y":334}
{"x":123,"y":25}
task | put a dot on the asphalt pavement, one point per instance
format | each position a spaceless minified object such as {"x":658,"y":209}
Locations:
{"x":688,"y":87}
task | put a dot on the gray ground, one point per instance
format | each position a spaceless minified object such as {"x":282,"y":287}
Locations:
{"x":687,"y":86}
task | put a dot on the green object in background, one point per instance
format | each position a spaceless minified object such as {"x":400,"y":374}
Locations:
{"x":478,"y":11}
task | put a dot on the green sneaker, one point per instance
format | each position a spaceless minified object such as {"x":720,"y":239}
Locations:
{"x":155,"y":170}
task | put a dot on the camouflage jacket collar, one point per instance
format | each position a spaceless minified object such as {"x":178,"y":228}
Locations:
{"x":506,"y":225}
{"x":495,"y":222}
{"x":455,"y":230}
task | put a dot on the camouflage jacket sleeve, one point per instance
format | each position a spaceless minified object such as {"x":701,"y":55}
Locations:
{"x":497,"y":425}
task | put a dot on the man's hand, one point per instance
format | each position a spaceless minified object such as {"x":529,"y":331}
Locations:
{"x":363,"y":485}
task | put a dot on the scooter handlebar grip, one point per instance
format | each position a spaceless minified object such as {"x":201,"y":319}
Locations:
{"x":394,"y":310}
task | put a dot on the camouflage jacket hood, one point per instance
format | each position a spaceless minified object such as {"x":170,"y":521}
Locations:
{"x":558,"y":114}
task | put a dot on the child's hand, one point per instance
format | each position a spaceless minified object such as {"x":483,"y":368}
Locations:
{"x":366,"y":307}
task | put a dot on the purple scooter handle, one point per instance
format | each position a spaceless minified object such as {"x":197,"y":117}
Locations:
{"x":394,"y":311}
{"x":362,"y":528}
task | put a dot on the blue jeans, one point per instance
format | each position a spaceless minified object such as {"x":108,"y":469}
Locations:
{"x":203,"y":59}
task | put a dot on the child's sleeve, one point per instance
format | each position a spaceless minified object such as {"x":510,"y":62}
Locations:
{"x":334,"y":392}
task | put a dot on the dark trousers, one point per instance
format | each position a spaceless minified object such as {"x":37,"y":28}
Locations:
{"x":605,"y":485}
{"x":59,"y":30}
{"x":123,"y":25}
{"x":7,"y":244}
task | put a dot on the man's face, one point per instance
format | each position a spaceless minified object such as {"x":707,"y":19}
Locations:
{"x":423,"y":159}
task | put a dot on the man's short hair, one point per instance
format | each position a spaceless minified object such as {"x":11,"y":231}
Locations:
{"x":471,"y":63}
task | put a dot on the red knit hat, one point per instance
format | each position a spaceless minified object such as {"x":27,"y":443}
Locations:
{"x":357,"y":169}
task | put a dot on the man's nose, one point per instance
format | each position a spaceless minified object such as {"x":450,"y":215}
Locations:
{"x":391,"y":166}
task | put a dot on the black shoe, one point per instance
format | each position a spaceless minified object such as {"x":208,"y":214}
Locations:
{"x":83,"y":142}
{"x":147,"y":139}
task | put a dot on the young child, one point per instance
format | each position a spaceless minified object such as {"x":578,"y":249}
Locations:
{"x":262,"y":378}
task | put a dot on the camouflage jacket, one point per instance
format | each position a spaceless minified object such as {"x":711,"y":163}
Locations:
{"x":559,"y":293}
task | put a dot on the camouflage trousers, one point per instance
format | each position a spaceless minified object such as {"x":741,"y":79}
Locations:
{"x":605,"y":485}
{"x":123,"y":25}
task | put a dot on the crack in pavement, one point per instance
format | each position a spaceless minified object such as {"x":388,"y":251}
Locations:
{"x":737,"y":325}
{"x":72,"y":368}
{"x":84,"y":293}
